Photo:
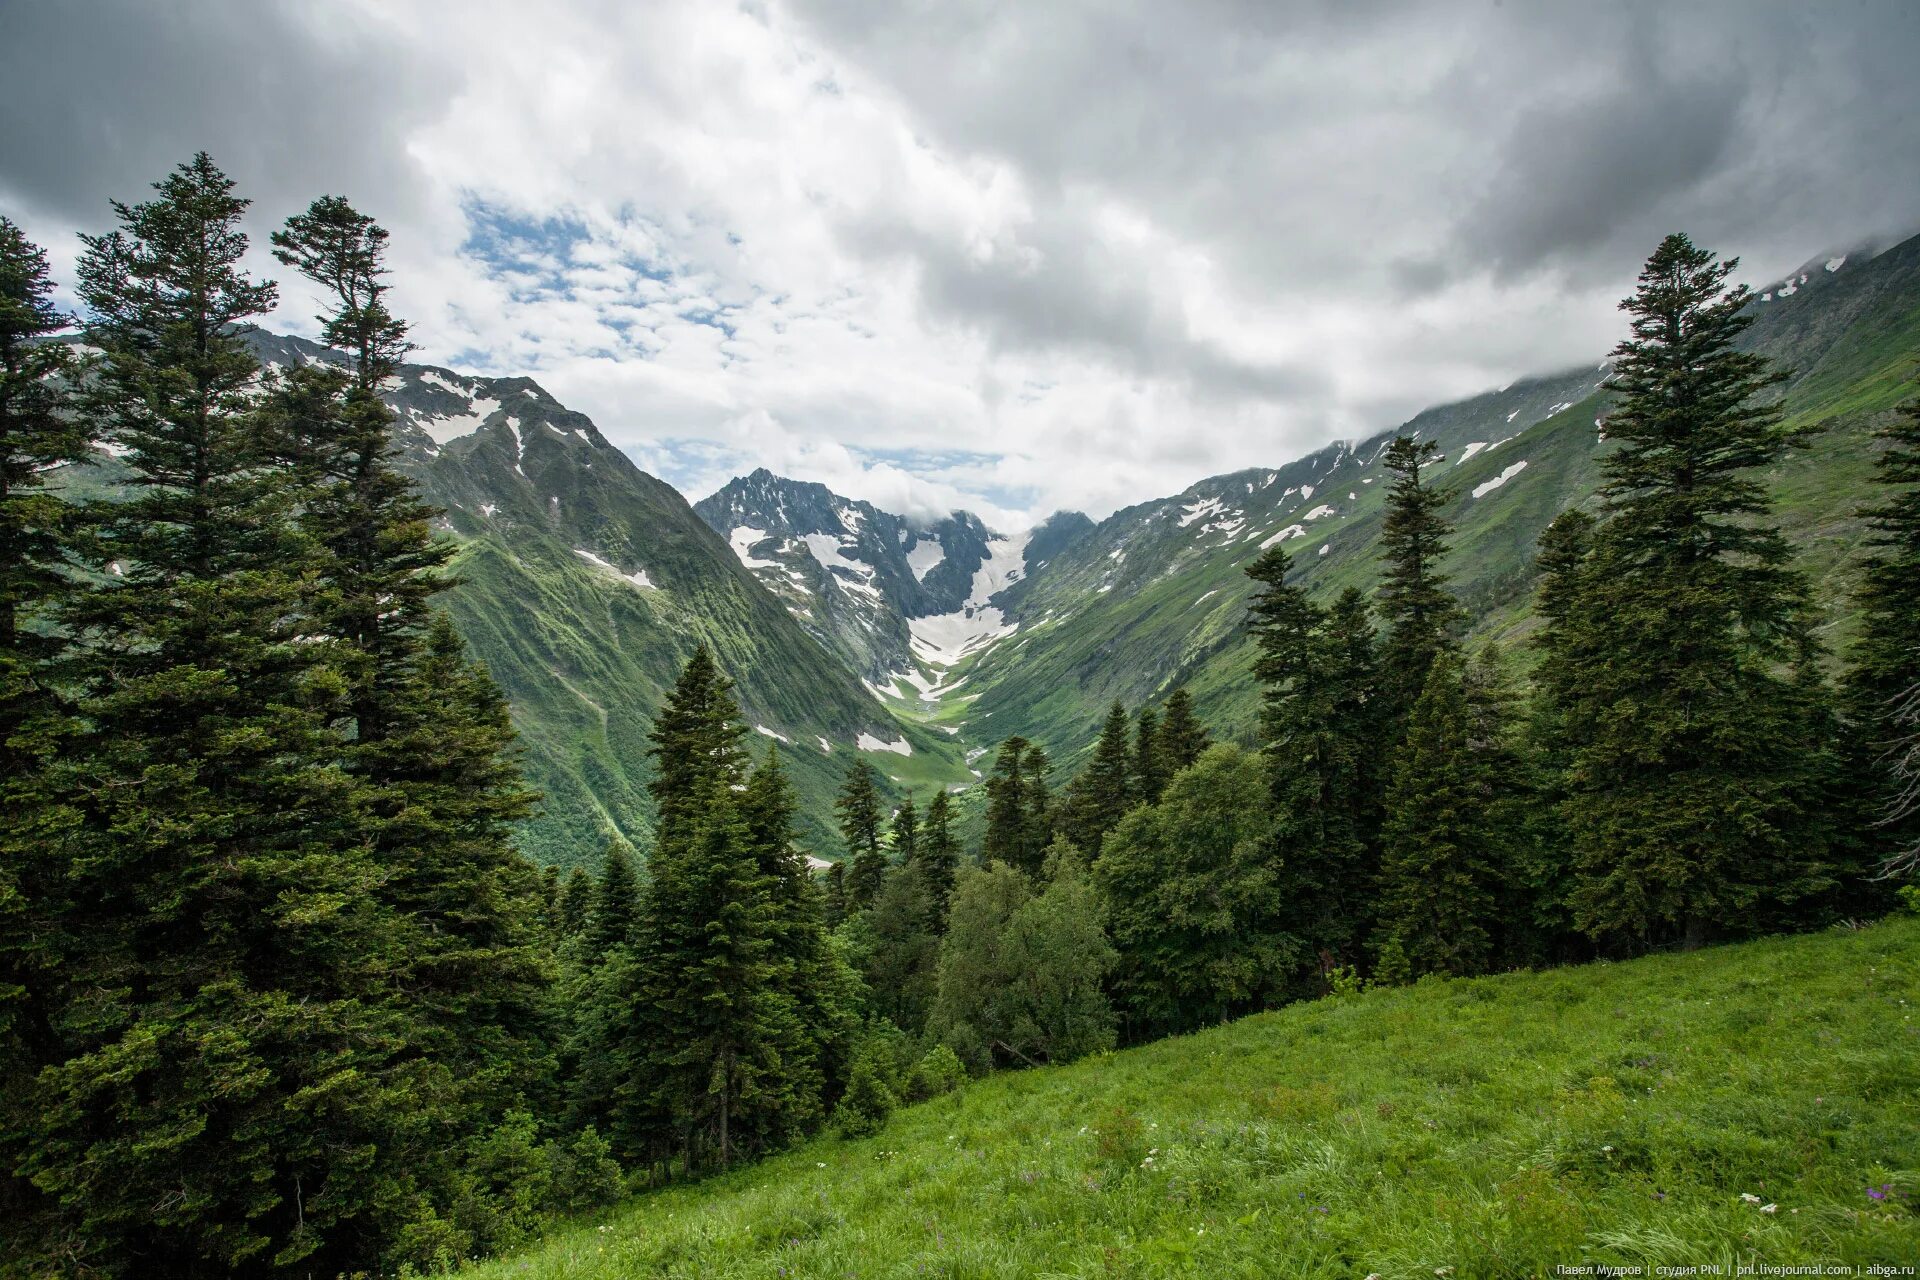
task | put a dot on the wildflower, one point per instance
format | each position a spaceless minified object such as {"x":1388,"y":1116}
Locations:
{"x":1769,"y":1208}
{"x":819,"y":1164}
{"x":1749,"y":1197}
{"x":1879,"y":1192}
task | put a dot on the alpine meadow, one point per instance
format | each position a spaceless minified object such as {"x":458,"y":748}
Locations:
{"x":831,"y":811}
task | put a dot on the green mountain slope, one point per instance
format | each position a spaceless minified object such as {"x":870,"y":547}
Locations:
{"x":1670,"y":1111}
{"x":1154,"y":596}
{"x":585,"y":584}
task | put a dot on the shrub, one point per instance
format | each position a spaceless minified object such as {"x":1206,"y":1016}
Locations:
{"x":868,"y":1101}
{"x":939,"y":1071}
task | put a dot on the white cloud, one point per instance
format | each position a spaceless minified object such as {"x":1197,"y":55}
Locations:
{"x":1005,"y":257}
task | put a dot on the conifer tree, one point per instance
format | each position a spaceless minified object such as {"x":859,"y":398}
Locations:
{"x":1104,"y":790}
{"x":1885,"y":667}
{"x":381,"y":560}
{"x":233,"y":1094}
{"x":1150,"y":764}
{"x":906,"y":831}
{"x":1440,"y":863}
{"x":835,"y":906}
{"x":903,"y":946}
{"x":1183,"y":739}
{"x":858,"y":808}
{"x":616,"y":904}
{"x":576,"y":903}
{"x":1692,"y":698}
{"x":1019,"y":809}
{"x":1420,"y":614}
{"x":38,"y":433}
{"x":696,"y":750}
{"x":939,"y":855}
{"x":707,"y":988}
{"x":1317,"y":760}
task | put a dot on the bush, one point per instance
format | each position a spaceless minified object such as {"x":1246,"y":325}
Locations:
{"x":939,"y":1072}
{"x":868,"y":1101}
{"x":585,"y":1174}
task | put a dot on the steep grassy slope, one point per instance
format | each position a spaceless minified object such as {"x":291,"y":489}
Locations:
{"x":1746,"y":1105}
{"x":1154,"y":596}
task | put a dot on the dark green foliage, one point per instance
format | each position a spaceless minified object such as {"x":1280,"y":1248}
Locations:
{"x":616,"y":905}
{"x":1441,"y":861}
{"x":696,"y":752}
{"x":1321,"y":746}
{"x":1019,"y":807}
{"x":1419,"y":613}
{"x":1104,"y":790}
{"x":906,"y":830}
{"x":1183,"y":739}
{"x":38,"y":433}
{"x":1683,"y":662}
{"x":835,"y":905}
{"x":902,"y":948}
{"x":576,"y":902}
{"x":1885,"y":663}
{"x":869,"y":1099}
{"x":1196,"y":902}
{"x":858,"y":808}
{"x":939,"y":855}
{"x":1150,"y":764}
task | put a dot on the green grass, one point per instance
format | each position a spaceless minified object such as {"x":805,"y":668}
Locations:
{"x":1618,"y":1114}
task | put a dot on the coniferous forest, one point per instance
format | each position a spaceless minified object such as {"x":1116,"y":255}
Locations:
{"x":280,"y":995}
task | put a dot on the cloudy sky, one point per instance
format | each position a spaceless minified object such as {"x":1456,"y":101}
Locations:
{"x":1010,"y":256}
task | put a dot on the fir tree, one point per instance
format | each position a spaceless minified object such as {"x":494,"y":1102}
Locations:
{"x":576,"y":903}
{"x":1695,"y":716}
{"x":1019,"y":809}
{"x":906,"y":831}
{"x":939,"y":855}
{"x":858,"y":808}
{"x":1885,"y":666}
{"x":38,"y":433}
{"x":696,"y":750}
{"x":835,"y":906}
{"x":1183,"y":739}
{"x":235,"y":1093}
{"x":1104,"y":790}
{"x":1150,"y":763}
{"x":381,"y":559}
{"x":707,"y":986}
{"x":1440,"y":865}
{"x":1317,"y":753}
{"x":616,"y":904}
{"x":902,"y":946}
{"x":1419,"y":612}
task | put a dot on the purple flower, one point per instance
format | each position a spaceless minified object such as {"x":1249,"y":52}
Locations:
{"x":1880,"y":1192}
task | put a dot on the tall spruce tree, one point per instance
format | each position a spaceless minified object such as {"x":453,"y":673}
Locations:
{"x":38,"y":434}
{"x":696,"y":750}
{"x":616,"y":904}
{"x":858,"y":808}
{"x":1419,"y":613}
{"x":382,"y":561}
{"x":1885,"y":663}
{"x":1183,"y":739}
{"x":906,"y":830}
{"x":1441,"y":856}
{"x":1104,"y":790}
{"x":1316,"y":750}
{"x":939,"y":855}
{"x":1696,"y":717}
{"x":236,"y":1093}
{"x":1151,"y":767}
{"x":1019,"y":808}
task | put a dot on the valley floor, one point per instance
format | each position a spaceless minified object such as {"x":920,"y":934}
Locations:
{"x":1755,"y":1104}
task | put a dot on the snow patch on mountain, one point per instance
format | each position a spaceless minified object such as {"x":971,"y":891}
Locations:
{"x":926,"y":556}
{"x":900,"y":746}
{"x":450,"y":427}
{"x":1481,"y":490}
{"x":1291,"y":531}
{"x":743,"y":540}
{"x":638,"y":577}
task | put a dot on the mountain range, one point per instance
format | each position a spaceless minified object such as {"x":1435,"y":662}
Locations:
{"x":585,"y":583}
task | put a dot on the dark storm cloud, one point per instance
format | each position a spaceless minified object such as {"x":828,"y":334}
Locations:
{"x":105,"y":96}
{"x":1345,"y":147}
